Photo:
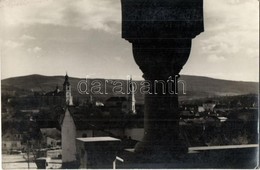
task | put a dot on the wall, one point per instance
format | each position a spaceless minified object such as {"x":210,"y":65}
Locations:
{"x":68,"y":132}
{"x":82,"y":154}
{"x":135,"y":133}
{"x":52,"y":142}
{"x":11,"y":145}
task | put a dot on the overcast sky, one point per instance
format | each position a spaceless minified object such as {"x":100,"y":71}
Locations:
{"x":83,"y":37}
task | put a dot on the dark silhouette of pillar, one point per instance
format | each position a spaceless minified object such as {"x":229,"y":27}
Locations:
{"x":161,"y":32}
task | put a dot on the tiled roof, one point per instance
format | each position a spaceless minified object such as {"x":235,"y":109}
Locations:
{"x":51,"y":132}
{"x":116,"y":99}
{"x":83,"y":120}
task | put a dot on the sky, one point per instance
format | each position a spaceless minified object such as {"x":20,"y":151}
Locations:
{"x":83,"y":38}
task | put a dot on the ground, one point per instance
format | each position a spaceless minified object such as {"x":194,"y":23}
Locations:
{"x":19,"y":162}
{"x":16,"y":162}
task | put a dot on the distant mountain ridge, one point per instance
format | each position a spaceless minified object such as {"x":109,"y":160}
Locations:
{"x":195,"y":86}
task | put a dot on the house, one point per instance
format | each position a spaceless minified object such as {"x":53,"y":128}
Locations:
{"x":74,"y":124}
{"x":11,"y":140}
{"x":201,"y":109}
{"x":57,"y":96}
{"x":51,"y":137}
{"x":117,"y":105}
{"x":125,"y":105}
{"x":189,"y":107}
{"x":209,"y":105}
{"x":220,"y":108}
{"x":82,"y":121}
{"x":78,"y":122}
{"x":186,"y":114}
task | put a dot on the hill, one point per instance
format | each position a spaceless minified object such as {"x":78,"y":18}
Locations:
{"x":195,"y":86}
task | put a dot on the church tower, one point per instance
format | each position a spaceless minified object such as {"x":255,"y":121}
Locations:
{"x":131,"y":98}
{"x":67,"y":90}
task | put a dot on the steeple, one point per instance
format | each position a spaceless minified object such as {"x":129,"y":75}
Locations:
{"x":66,"y":81}
{"x":131,"y":97}
{"x":67,"y":90}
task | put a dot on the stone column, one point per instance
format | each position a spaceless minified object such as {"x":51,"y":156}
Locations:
{"x":161,"y":62}
{"x":161,"y":32}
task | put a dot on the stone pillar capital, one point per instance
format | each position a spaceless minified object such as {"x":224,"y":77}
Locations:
{"x":161,"y":58}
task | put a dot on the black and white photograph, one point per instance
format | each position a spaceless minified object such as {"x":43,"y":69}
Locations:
{"x":129,"y":84}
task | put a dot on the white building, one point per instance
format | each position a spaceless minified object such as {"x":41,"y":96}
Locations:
{"x":11,"y":141}
{"x":209,"y":105}
{"x":51,"y":137}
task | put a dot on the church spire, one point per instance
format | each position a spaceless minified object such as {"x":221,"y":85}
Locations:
{"x":67,"y":90}
{"x":66,"y":81}
{"x":131,"y":97}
